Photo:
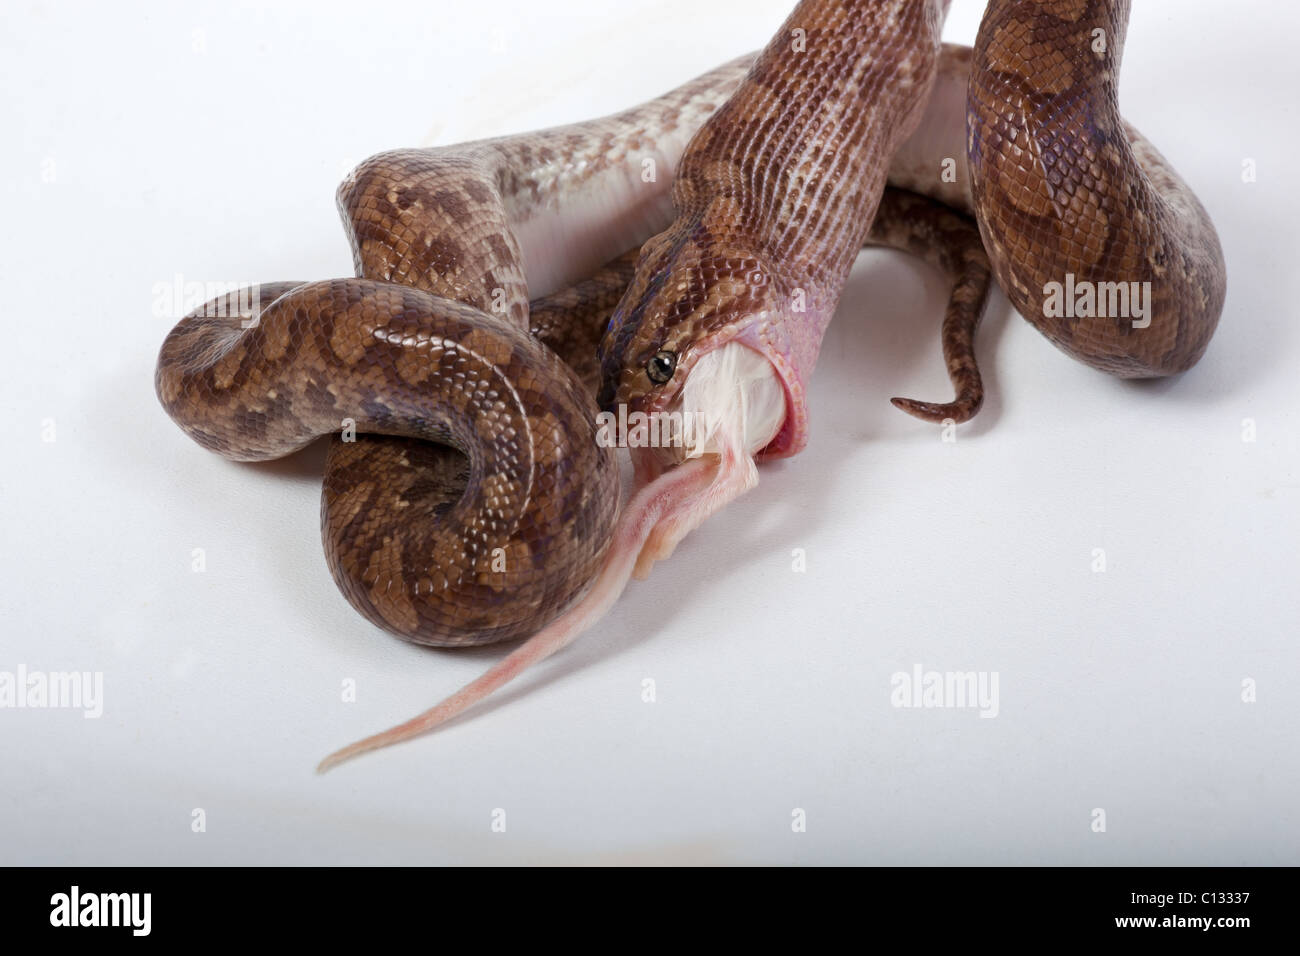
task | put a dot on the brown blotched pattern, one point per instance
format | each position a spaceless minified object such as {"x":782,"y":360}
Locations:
{"x":1063,"y":187}
{"x":572,"y":321}
{"x":448,"y":219}
{"x":488,"y":510}
{"x":539,"y":495}
{"x":385,"y":489}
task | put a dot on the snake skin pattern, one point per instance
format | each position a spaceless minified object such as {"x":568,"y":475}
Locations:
{"x":474,"y":504}
{"x":950,"y":242}
{"x":498,"y":454}
{"x":1063,"y":188}
{"x":387,"y":358}
{"x":774,"y":199}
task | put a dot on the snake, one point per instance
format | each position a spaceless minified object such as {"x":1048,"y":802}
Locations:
{"x":681,"y":260}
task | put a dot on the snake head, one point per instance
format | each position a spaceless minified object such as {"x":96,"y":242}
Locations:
{"x":701,"y":333}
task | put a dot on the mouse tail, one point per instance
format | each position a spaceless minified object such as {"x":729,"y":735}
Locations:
{"x":642,"y":513}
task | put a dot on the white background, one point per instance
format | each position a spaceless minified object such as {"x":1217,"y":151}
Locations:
{"x":142,"y":141}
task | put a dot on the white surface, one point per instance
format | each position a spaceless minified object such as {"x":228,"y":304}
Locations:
{"x":1119,"y":690}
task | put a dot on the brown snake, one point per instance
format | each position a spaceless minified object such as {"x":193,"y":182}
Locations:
{"x":477,"y":504}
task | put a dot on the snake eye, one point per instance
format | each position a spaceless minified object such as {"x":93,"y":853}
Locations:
{"x":661,"y":366}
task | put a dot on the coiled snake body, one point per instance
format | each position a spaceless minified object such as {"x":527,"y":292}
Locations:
{"x":477,"y":504}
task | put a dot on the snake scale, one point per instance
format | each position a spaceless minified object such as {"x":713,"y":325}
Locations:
{"x":683,"y":256}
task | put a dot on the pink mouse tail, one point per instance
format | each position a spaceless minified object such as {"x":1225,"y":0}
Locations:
{"x":664,"y":495}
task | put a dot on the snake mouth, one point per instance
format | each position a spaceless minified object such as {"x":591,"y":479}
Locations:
{"x":730,"y":406}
